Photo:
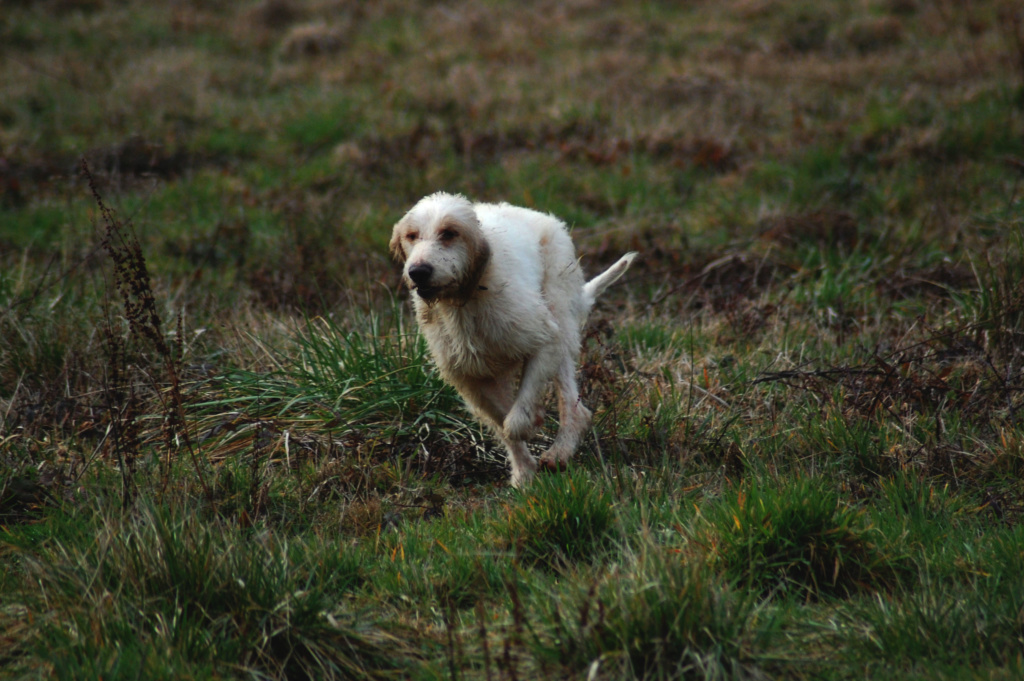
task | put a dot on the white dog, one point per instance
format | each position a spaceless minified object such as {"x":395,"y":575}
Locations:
{"x":501,"y":299}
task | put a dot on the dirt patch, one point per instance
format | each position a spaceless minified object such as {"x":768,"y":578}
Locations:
{"x":719,"y":284}
{"x":578,"y":142}
{"x":138,"y":157}
{"x":936,"y":281}
{"x":29,"y":172}
{"x":823,"y":228}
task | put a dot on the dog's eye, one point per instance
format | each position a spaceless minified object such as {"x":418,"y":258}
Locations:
{"x":412,"y":236}
{"x":448,"y":234}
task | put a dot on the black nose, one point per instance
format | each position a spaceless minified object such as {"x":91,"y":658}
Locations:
{"x":420,"y":274}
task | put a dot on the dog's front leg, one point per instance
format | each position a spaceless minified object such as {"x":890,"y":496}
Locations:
{"x":524,"y":465}
{"x":525,"y":416}
{"x":491,"y":399}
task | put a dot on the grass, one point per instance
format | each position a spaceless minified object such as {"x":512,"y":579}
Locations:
{"x":661,"y":618}
{"x":224,"y":452}
{"x":796,"y":539}
{"x":165,"y":597}
{"x":561,"y":520}
{"x":946,"y":632}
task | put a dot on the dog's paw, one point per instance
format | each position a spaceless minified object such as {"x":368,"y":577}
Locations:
{"x":520,"y":424}
{"x":560,"y":452}
{"x":548,"y":465}
{"x":523,"y":474}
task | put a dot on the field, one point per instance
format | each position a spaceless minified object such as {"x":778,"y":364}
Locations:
{"x":224,"y":452}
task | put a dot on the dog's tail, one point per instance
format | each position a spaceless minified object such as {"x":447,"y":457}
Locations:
{"x":596,"y":286}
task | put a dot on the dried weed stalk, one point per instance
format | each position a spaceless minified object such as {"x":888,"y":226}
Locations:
{"x":122,"y":404}
{"x":132,"y":280}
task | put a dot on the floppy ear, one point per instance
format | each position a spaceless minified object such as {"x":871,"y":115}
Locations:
{"x":479,"y":256}
{"x":396,"y":239}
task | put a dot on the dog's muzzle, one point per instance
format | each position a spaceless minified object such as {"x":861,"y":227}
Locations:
{"x":421,"y":274}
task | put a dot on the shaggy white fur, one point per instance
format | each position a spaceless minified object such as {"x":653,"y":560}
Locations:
{"x":501,"y":300}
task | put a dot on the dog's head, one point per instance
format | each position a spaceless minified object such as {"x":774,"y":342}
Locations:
{"x":442,"y":247}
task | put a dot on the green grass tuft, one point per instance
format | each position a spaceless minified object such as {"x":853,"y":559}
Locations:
{"x":561,"y":519}
{"x":662,"y":617}
{"x":796,"y":538}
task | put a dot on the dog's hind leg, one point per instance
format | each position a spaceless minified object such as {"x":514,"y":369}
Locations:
{"x":573,"y":418}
